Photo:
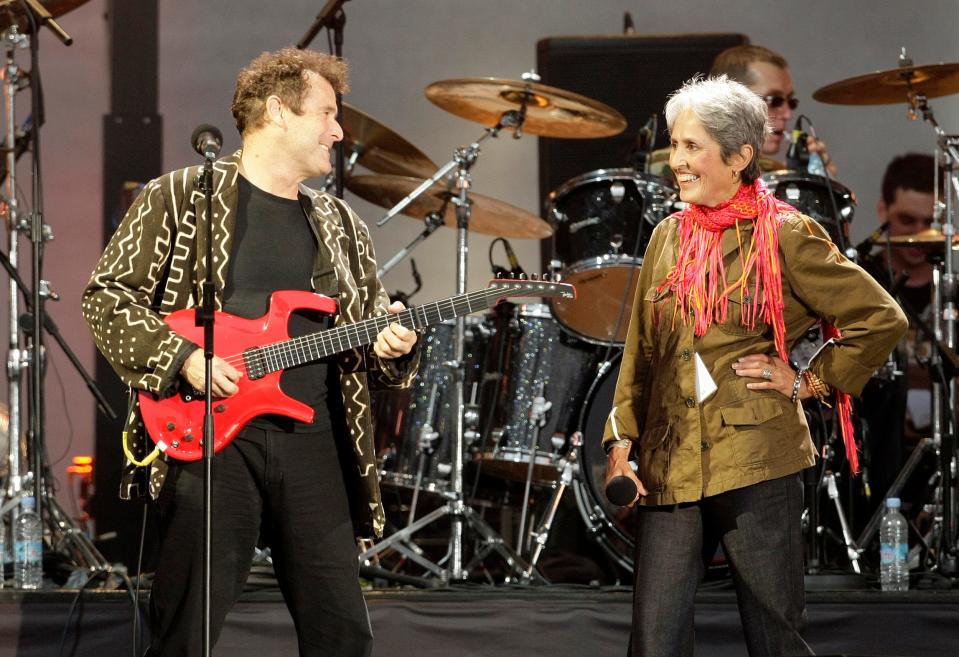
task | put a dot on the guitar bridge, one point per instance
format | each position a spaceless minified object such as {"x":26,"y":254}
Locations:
{"x":253,"y":360}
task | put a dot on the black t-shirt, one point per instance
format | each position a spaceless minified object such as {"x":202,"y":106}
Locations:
{"x":273,"y":249}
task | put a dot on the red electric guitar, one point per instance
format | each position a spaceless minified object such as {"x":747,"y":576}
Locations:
{"x":261,"y":348}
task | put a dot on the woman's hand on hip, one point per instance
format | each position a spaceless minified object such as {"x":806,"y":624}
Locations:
{"x":770,"y":373}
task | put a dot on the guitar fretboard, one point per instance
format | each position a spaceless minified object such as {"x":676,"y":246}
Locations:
{"x":314,"y":346}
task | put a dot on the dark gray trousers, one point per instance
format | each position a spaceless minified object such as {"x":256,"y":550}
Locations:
{"x":759,"y":528}
{"x":289,"y":488}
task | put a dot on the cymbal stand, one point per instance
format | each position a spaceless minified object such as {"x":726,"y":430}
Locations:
{"x":569,"y":469}
{"x":459,"y":513}
{"x":433,"y":221}
{"x":17,"y":358}
{"x":63,"y":534}
{"x":944,"y":392}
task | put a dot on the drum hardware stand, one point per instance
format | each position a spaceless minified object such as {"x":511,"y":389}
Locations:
{"x":64,"y":534}
{"x":456,"y":509}
{"x":568,"y":468}
{"x":426,"y":447}
{"x":829,"y":481}
{"x":944,"y":390}
{"x":433,"y":220}
{"x":537,"y":420}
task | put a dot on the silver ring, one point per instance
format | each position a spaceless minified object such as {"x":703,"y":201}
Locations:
{"x":767,"y":374}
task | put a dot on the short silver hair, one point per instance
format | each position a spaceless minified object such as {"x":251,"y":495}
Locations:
{"x":730,"y":112}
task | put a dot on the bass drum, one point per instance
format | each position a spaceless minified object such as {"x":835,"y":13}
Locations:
{"x":610,"y":525}
{"x":810,"y":195}
{"x":602,"y":221}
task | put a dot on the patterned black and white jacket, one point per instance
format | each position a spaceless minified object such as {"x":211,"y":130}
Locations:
{"x":150,"y":269}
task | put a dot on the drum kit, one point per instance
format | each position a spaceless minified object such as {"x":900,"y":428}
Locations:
{"x":521,"y":396}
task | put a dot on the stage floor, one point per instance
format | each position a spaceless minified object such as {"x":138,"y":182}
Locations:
{"x":475,"y":621}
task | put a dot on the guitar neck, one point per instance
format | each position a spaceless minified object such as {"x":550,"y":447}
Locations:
{"x":314,"y":346}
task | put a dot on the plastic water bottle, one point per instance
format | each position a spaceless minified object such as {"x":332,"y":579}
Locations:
{"x":893,"y":545}
{"x":28,"y":547}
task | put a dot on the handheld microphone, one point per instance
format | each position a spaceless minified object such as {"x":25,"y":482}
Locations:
{"x":621,"y":490}
{"x":516,"y":269}
{"x":207,"y":140}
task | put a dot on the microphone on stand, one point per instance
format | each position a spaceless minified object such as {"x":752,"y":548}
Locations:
{"x":862,"y":249}
{"x":643,"y":146}
{"x":515,"y":269}
{"x":797,"y":156}
{"x":207,"y":140}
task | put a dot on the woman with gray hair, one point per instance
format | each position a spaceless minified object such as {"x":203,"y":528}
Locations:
{"x":707,"y":403}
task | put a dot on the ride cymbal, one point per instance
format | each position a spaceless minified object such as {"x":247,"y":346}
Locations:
{"x":381,"y":149}
{"x":550,"y":112}
{"x":488,"y":216}
{"x":892,"y":86}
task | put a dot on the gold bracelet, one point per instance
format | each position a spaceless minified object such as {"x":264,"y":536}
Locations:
{"x":817,"y":387}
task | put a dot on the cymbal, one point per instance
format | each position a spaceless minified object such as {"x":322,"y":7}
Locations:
{"x":550,"y":112}
{"x":488,"y":216}
{"x":12,"y":11}
{"x":381,"y":149}
{"x":927,"y":238}
{"x":892,"y":86}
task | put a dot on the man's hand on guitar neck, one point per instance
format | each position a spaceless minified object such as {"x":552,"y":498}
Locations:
{"x":395,"y":340}
{"x":224,"y":375}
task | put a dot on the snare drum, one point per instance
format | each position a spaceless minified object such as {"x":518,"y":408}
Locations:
{"x":602,"y":222}
{"x":810,"y":195}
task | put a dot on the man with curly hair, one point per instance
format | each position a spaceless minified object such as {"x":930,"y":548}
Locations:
{"x":304,"y":489}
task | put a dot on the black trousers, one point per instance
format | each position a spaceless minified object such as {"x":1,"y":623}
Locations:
{"x":759,"y":528}
{"x":289,"y":489}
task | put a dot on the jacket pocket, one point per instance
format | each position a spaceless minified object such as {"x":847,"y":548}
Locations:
{"x":734,"y":318}
{"x":652,"y":457}
{"x":756,"y":430}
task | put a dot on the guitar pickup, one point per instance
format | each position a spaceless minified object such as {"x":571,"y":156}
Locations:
{"x":253,"y":360}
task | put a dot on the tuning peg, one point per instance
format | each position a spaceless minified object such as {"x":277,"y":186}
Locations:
{"x":534,"y":277}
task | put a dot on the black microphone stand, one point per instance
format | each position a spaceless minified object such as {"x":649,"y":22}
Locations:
{"x":333,"y":18}
{"x":204,"y":317}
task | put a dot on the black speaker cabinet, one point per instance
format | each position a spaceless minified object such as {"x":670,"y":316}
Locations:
{"x":633,"y":74}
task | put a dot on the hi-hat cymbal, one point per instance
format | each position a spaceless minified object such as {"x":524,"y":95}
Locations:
{"x":892,"y":86}
{"x":12,"y":11}
{"x":381,"y":149}
{"x":929,"y":238}
{"x":550,"y":112}
{"x":488,"y":216}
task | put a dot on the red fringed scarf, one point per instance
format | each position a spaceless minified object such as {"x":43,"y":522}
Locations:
{"x":695,"y":278}
{"x":699,"y":271}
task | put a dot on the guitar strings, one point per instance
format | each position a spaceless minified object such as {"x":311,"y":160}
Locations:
{"x":275,"y":355}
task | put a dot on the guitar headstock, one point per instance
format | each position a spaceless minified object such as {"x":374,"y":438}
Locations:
{"x":532,"y":287}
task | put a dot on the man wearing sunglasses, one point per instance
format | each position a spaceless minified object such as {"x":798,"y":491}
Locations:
{"x":766,"y":72}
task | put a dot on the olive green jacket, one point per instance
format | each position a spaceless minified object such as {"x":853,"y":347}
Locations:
{"x":150,"y":268}
{"x":688,"y":450}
